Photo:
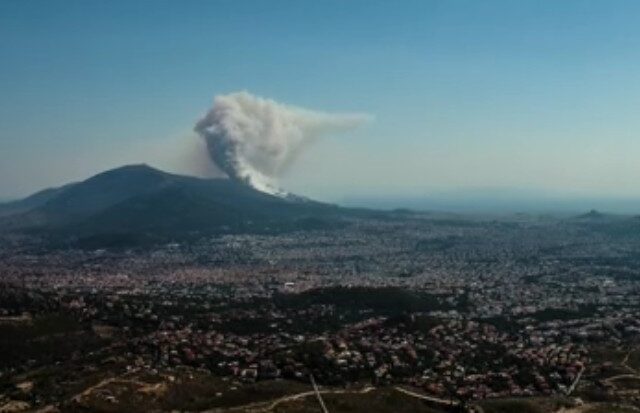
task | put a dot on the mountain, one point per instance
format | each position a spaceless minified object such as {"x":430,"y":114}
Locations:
{"x":139,"y":202}
{"x":593,"y":215}
{"x":608,"y":224}
{"x":30,"y":202}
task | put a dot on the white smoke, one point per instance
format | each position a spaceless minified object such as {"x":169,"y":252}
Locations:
{"x":253,"y":140}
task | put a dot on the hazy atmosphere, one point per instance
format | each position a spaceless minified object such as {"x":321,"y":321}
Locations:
{"x":302,"y":206}
{"x":453,"y":100}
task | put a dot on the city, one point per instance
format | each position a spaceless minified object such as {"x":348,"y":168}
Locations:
{"x":455,"y":310}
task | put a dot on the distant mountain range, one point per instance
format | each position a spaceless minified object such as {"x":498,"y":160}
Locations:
{"x":137,"y":202}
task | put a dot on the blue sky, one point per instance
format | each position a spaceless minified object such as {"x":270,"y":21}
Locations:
{"x":533,"y":96}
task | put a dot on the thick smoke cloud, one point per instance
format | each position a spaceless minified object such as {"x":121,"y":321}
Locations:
{"x":253,"y":140}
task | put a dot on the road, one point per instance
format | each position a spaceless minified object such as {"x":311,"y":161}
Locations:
{"x":625,"y":362}
{"x":575,"y":382}
{"x":270,"y":405}
{"x":445,"y":402}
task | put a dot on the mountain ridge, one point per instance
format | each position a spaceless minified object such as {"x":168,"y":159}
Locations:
{"x":139,"y":199}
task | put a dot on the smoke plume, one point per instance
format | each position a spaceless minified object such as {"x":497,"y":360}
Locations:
{"x":253,"y":140}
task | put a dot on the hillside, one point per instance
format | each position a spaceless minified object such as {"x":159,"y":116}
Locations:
{"x":134,"y":202}
{"x":30,"y":202}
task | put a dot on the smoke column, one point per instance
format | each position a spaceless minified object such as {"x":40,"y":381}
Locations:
{"x":253,"y":140}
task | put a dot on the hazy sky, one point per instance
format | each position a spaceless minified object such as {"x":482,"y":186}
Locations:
{"x":540,"y":96}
